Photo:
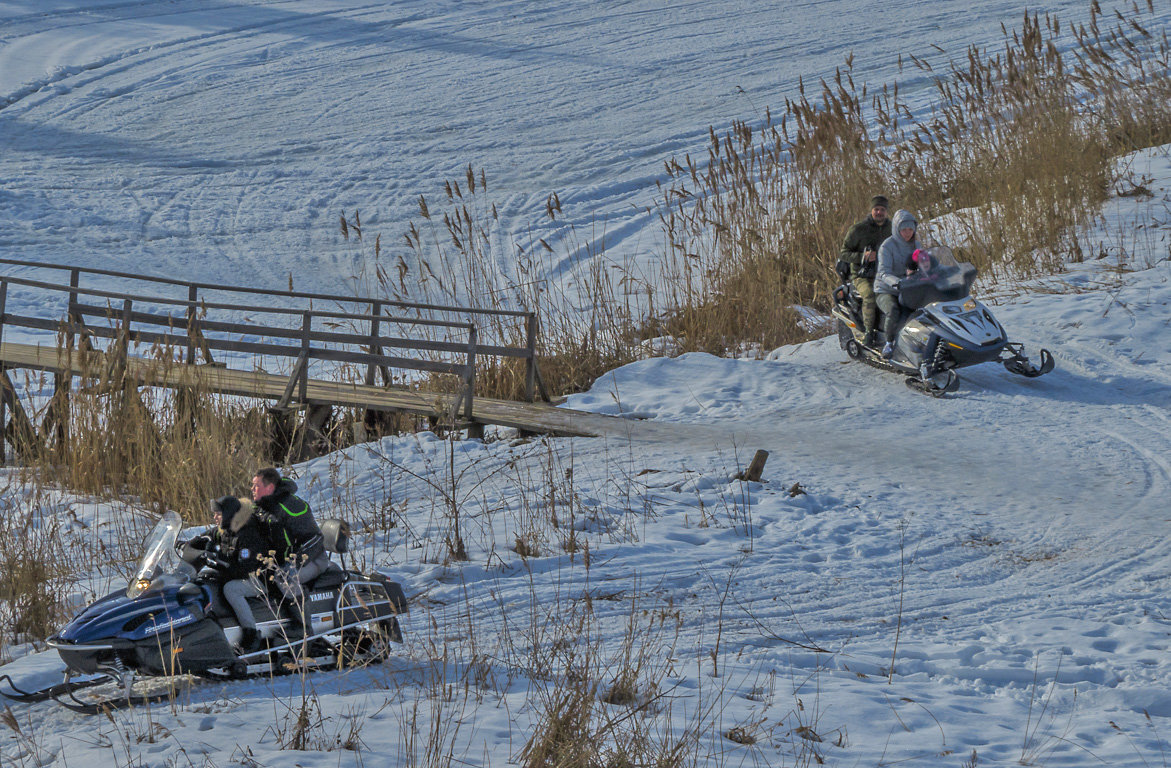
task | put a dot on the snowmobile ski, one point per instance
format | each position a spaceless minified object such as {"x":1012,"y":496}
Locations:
{"x":51,"y":692}
{"x":937,"y":386}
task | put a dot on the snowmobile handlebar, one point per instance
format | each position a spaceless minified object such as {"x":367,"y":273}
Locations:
{"x":209,"y":560}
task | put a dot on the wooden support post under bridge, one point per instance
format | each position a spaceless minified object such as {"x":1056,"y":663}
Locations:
{"x":19,"y":430}
{"x":312,"y":433}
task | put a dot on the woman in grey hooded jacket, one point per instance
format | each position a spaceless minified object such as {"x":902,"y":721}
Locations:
{"x":894,"y":263}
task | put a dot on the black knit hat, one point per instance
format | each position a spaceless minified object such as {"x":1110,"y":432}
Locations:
{"x":227,"y":506}
{"x":878,"y":200}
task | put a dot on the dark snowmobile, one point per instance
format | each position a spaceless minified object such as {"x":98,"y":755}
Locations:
{"x":945,"y":330}
{"x":169,"y":623}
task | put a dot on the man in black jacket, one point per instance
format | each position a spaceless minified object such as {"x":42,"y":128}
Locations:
{"x":300,"y":546}
{"x":860,"y":251}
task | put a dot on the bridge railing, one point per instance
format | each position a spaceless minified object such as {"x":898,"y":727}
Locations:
{"x":190,"y":326}
{"x":370,"y":310}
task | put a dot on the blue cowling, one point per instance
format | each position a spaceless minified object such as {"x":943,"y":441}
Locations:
{"x":116,"y":616}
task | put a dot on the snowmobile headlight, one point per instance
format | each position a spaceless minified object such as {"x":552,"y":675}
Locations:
{"x":969,"y":305}
{"x":137,"y":587}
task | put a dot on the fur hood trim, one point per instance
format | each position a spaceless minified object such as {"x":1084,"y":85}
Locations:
{"x":241,"y":518}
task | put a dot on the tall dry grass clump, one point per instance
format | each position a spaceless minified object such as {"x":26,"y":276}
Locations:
{"x":1020,"y":147}
{"x":751,"y":229}
{"x":1017,"y":151}
{"x":47,"y":558}
{"x":36,"y":569}
{"x":169,"y":449}
{"x":1124,"y":70}
{"x":1008,"y":153}
{"x":459,"y":252}
{"x":608,"y":707}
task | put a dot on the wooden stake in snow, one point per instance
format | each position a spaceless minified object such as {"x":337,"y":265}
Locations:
{"x":756,"y":468}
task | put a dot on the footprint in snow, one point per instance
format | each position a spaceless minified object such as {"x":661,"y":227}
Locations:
{"x":688,"y":537}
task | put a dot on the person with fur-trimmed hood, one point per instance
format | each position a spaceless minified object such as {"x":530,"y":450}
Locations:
{"x":894,"y":263}
{"x":235,"y":550}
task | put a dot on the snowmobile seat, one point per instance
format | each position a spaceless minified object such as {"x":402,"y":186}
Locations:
{"x":334,"y":576}
{"x":218,"y":607}
{"x":263,"y":608}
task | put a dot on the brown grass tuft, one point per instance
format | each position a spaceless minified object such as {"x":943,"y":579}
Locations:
{"x":1012,"y":161}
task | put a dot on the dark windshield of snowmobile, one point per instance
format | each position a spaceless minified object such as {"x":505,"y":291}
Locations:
{"x":939,"y":278}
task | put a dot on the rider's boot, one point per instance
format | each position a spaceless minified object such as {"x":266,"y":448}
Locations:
{"x":249,"y":639}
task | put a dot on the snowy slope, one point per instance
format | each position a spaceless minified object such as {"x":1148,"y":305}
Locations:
{"x":1004,"y":549}
{"x":1003,"y":546}
{"x":226,"y":138}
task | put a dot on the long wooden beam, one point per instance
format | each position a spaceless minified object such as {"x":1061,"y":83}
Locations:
{"x":531,"y":417}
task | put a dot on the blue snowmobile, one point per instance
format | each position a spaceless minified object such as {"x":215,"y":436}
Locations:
{"x":171,"y":623}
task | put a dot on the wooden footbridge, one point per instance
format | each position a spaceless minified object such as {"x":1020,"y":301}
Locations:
{"x":330,"y":351}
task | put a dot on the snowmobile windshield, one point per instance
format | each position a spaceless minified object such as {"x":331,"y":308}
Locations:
{"x":939,"y":277}
{"x":158,"y":554}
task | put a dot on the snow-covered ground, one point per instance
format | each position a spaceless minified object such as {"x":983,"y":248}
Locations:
{"x":915,"y":580}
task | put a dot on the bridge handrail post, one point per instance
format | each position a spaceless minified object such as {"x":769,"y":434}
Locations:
{"x":530,"y":356}
{"x":127,"y":306}
{"x":470,"y":378}
{"x":72,"y":314}
{"x":119,"y":352}
{"x":3,"y":306}
{"x":306,"y":329}
{"x":192,"y":323}
{"x":375,"y":349}
{"x":3,"y":401}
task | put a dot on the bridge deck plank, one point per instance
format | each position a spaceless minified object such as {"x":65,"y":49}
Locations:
{"x":532,"y":417}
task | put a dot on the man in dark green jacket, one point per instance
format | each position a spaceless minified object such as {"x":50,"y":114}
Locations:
{"x":300,"y":546}
{"x":860,"y":251}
